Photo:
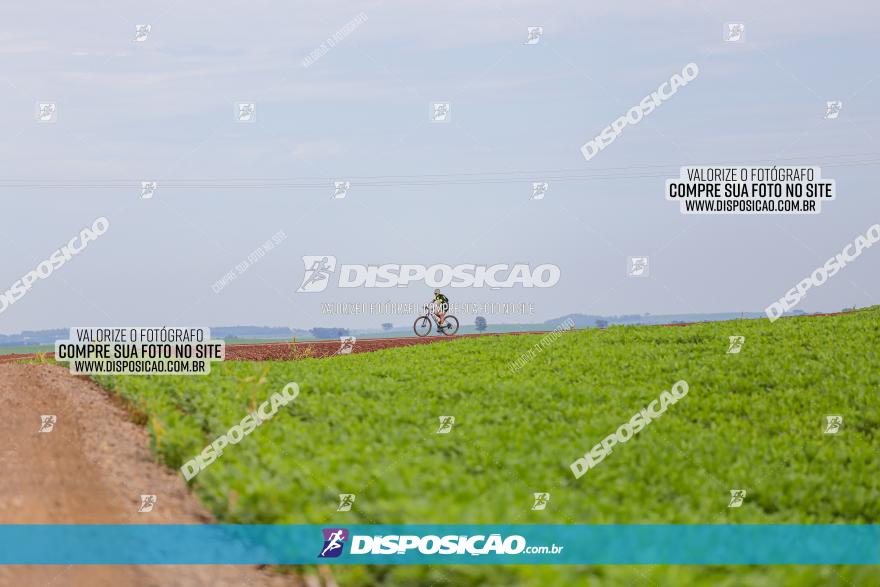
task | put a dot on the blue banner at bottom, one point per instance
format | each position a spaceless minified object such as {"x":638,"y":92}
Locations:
{"x":440,"y":544}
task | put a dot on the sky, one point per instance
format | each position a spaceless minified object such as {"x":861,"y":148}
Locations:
{"x":164,"y":109}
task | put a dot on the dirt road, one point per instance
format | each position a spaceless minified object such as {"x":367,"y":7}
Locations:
{"x":92,"y":468}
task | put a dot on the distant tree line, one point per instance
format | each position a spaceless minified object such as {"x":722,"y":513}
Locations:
{"x":329,"y":332}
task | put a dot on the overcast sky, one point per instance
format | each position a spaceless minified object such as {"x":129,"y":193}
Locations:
{"x":164,"y":109}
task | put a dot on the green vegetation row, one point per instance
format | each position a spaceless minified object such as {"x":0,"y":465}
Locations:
{"x":366,"y":424}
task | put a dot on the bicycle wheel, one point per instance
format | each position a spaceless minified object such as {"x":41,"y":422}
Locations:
{"x":422,"y":326}
{"x":451,"y":325}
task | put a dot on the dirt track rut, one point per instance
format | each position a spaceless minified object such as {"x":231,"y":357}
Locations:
{"x":91,"y":468}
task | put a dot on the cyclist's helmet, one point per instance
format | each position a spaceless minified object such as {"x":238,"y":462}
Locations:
{"x":436,"y":291}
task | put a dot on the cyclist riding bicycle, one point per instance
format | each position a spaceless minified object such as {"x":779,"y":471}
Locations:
{"x":441,"y":306}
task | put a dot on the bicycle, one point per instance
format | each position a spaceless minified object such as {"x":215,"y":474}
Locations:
{"x":422,"y":325}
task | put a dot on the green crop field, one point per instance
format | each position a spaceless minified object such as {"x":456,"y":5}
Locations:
{"x":26,"y":349}
{"x":366,"y":424}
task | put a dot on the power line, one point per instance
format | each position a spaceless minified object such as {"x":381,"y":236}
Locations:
{"x":385,"y":181}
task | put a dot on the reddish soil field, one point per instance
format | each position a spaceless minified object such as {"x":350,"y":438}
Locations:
{"x":282,"y":351}
{"x":285,"y":351}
